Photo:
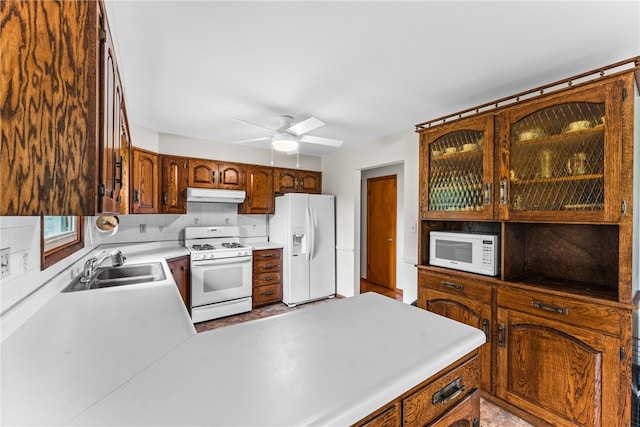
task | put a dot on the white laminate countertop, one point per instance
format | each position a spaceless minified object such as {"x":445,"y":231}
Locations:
{"x":328,"y":364}
{"x":80,"y":346}
{"x":259,"y":246}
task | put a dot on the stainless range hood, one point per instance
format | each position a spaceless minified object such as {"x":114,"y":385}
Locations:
{"x":210,"y":195}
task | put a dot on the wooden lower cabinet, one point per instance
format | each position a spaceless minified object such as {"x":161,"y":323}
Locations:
{"x":448,"y":398}
{"x":464,"y":300}
{"x":181,"y":270}
{"x":465,"y":414}
{"x":267,"y":277}
{"x":564,"y":374}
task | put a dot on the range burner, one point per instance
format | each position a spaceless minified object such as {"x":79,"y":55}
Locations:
{"x":232,"y":245}
{"x":203,"y":247}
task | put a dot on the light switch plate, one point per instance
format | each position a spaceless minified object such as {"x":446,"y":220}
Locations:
{"x":5,"y":264}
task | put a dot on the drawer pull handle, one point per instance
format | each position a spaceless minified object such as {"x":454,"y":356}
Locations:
{"x":266,"y":279}
{"x":501,"y":334}
{"x":266,"y":293}
{"x":266,"y":255}
{"x":448,"y":392}
{"x":549,"y":307}
{"x":451,"y":285}
{"x":264,"y":267}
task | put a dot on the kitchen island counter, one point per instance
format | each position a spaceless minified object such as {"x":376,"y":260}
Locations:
{"x":329,"y":364}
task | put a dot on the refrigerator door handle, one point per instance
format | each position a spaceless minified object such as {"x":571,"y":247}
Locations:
{"x":312,"y":231}
{"x":309,"y":227}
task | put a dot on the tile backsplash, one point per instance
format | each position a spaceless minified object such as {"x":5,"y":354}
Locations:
{"x":21,"y":235}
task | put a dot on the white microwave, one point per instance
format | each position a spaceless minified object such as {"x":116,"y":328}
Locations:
{"x":472,"y":252}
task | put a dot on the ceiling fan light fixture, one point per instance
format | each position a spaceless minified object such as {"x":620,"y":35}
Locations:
{"x":284,"y":142}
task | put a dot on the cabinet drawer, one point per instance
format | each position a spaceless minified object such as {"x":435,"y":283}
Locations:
{"x":267,"y":294}
{"x":267,"y":278}
{"x":591,"y":315}
{"x":389,"y":417}
{"x":462,"y":286}
{"x":266,"y":265}
{"x":266,"y":254}
{"x":442,"y":394}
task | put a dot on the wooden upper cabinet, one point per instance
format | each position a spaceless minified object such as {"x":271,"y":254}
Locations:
{"x":202,"y":173}
{"x":297,"y":181}
{"x":50,"y":133}
{"x":110,"y":171}
{"x":259,"y":189}
{"x":456,"y":170}
{"x":205,"y":173}
{"x":144,"y":181}
{"x":173,"y":195}
{"x":562,"y":156}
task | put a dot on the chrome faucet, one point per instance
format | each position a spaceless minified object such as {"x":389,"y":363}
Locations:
{"x":117,"y":259}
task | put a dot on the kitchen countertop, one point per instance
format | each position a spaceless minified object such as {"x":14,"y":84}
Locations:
{"x":329,"y":364}
{"x":129,"y":355}
{"x":259,"y":246}
{"x":80,"y":346}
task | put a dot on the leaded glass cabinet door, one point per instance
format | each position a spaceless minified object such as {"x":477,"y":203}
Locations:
{"x":561,"y":158}
{"x":457,"y":180}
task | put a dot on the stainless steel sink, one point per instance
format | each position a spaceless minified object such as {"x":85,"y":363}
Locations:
{"x":106,"y":277}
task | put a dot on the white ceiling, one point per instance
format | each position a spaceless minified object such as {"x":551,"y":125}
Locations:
{"x":368,"y":69}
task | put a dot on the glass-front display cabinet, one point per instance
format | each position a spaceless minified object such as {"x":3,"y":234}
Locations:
{"x":456,"y":182}
{"x":562,"y":157}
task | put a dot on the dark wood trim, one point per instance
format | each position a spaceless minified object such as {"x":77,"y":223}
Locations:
{"x":47,"y":259}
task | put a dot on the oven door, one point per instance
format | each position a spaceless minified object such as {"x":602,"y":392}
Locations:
{"x":220,"y":280}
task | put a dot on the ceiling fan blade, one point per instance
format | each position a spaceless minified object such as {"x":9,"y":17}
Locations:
{"x":264,"y":138}
{"x":305,"y":126}
{"x":244,"y":122}
{"x":322,"y":141}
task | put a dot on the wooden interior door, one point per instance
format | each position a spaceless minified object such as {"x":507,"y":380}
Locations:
{"x":381,"y":230}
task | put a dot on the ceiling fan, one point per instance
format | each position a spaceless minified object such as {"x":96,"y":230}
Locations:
{"x":288,"y":136}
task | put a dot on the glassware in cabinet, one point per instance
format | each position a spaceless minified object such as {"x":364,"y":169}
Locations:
{"x":557,"y":157}
{"x":457,"y":171}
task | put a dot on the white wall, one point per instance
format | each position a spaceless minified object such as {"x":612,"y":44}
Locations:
{"x":341,"y":176}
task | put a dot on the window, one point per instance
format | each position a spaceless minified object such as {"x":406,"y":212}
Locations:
{"x":60,"y":237}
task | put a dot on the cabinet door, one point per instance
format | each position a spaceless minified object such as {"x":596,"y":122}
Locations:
{"x":202,"y":173}
{"x":466,"y":414}
{"x":50,"y":106}
{"x":562,"y":156}
{"x":260,"y":195}
{"x":468,"y":311}
{"x":563,"y":374}
{"x":230,"y":176}
{"x":310,"y":182}
{"x":144,"y":184}
{"x":180,"y":269}
{"x":174,"y":185}
{"x":110,"y":170}
{"x":456,"y":171}
{"x":285,"y":181}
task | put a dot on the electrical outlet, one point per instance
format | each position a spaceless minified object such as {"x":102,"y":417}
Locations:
{"x":5,"y":263}
{"x":143,"y":228}
{"x":25,"y":261}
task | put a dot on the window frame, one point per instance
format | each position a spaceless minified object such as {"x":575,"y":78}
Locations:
{"x":66,"y":246}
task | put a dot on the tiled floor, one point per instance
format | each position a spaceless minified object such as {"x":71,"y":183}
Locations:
{"x":490,"y":414}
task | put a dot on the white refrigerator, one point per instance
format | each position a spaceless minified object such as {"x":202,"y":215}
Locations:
{"x":305,"y":225}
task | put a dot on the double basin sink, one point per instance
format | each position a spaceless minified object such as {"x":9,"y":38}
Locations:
{"x":106,"y":277}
